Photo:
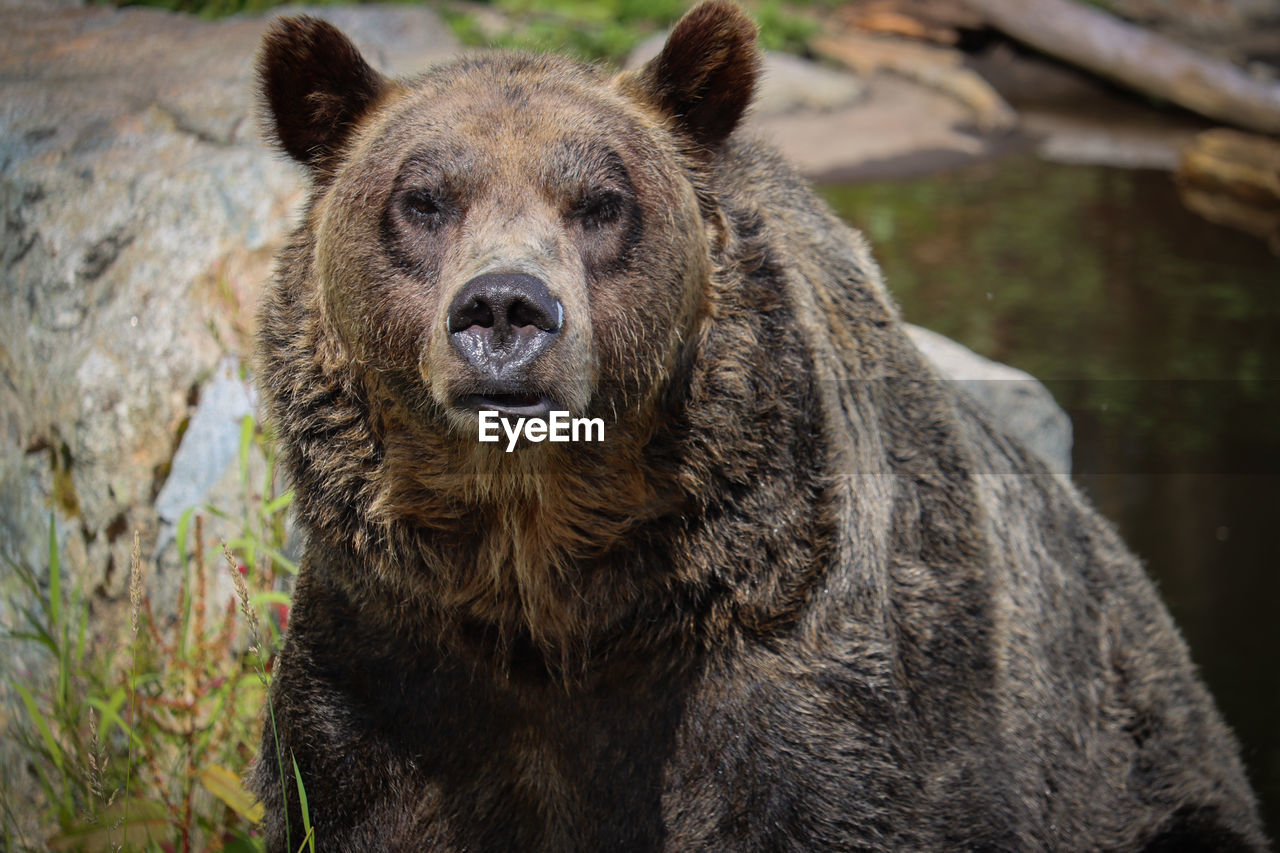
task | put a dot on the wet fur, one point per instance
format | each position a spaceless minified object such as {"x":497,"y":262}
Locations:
{"x":804,"y":597}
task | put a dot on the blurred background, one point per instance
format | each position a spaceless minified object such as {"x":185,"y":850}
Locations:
{"x":1088,"y":193}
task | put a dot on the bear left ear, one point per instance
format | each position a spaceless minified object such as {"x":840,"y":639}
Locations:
{"x":316,"y":86}
{"x":706,"y":73}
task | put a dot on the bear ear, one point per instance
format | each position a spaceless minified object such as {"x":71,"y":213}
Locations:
{"x":316,"y":86}
{"x":706,"y":73}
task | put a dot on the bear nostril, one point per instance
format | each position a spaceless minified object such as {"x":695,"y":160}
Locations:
{"x":473,"y":312}
{"x":522,"y":313}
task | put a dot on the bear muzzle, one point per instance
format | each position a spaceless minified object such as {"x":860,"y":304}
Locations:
{"x":501,"y":324}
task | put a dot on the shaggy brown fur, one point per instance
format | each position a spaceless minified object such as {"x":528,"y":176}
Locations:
{"x":802,"y":597}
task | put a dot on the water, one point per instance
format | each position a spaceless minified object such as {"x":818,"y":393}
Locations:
{"x":1160,"y":334}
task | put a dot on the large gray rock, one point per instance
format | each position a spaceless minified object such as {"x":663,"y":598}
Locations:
{"x":1015,"y":399}
{"x":141,"y":214}
{"x":210,"y":444}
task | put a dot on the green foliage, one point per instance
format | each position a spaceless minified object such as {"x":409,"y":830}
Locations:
{"x":781,"y":28}
{"x":608,"y":29}
{"x":55,"y":622}
{"x":141,"y":743}
{"x":220,"y":8}
{"x":592,"y":30}
{"x":310,"y":839}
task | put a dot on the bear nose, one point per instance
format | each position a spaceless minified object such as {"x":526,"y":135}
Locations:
{"x":501,"y":322}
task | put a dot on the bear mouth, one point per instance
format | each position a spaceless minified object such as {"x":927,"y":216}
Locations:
{"x":520,"y":405}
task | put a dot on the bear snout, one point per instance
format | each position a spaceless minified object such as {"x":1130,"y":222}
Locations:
{"x":500,"y":323}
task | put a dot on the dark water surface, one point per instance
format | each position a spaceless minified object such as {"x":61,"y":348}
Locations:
{"x":1159,"y":333}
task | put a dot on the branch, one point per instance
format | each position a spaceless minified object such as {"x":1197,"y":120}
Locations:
{"x":1139,"y":59}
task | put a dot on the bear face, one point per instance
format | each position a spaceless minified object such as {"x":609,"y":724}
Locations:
{"x":422,"y":225}
{"x":510,"y":233}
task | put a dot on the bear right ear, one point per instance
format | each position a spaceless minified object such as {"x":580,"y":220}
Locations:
{"x":705,"y":76}
{"x":316,"y":86}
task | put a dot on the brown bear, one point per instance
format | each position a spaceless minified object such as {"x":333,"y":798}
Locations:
{"x":802,"y":596}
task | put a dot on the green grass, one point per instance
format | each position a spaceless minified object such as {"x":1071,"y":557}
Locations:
{"x":593,"y":30}
{"x":608,"y":30}
{"x":141,"y":743}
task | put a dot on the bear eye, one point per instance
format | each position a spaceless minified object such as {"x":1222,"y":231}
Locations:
{"x":422,"y":206}
{"x":598,"y":209}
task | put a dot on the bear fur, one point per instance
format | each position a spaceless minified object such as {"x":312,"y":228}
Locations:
{"x":803,"y":596}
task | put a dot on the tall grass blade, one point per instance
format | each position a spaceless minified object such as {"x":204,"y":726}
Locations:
{"x":109,"y":712}
{"x":55,"y":575}
{"x":246,"y":444}
{"x":180,"y":537}
{"x":302,"y":803}
{"x":274,"y":505}
{"x":42,"y":725}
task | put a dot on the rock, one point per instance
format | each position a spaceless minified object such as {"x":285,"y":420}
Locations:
{"x":791,"y":84}
{"x":938,"y":68}
{"x":142,"y":212}
{"x":209,"y":445}
{"x":397,"y":39}
{"x":141,"y":215}
{"x":1095,"y":140}
{"x":829,"y":121}
{"x":899,"y":122}
{"x":1015,"y":399}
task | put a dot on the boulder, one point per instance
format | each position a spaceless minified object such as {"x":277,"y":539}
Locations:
{"x":141,"y":214}
{"x":1015,"y":399}
{"x":142,"y":211}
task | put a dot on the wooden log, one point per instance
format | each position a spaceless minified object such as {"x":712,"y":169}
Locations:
{"x":1233,"y":178}
{"x":1139,"y":59}
{"x":935,"y":20}
{"x":1234,"y":163}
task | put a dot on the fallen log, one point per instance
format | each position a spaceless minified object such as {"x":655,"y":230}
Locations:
{"x":1235,"y":163}
{"x":1139,"y":59}
{"x":1233,"y":179}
